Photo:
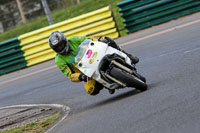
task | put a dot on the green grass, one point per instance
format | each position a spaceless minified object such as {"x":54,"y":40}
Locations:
{"x":64,"y":14}
{"x":36,"y":127}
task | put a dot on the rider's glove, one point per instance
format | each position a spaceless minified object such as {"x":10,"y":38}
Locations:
{"x":82,"y":77}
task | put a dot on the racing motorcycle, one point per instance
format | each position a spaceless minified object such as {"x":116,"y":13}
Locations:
{"x":108,"y":66}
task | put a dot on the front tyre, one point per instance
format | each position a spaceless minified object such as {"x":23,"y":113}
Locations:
{"x":128,"y":79}
{"x":141,"y":77}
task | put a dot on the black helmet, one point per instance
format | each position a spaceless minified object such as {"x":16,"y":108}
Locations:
{"x":59,"y":43}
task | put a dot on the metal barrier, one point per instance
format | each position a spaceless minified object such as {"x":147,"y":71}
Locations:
{"x":140,"y":14}
{"x":11,"y":56}
{"x":35,"y":44}
{"x":32,"y":48}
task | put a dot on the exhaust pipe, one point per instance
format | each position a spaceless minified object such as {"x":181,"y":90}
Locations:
{"x":115,"y":80}
{"x":122,"y":67}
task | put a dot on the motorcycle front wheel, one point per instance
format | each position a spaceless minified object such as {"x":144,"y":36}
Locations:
{"x":128,"y":79}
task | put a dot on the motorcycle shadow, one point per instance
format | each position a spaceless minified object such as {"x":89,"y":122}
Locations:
{"x":122,"y":96}
{"x":108,"y":101}
{"x":117,"y":98}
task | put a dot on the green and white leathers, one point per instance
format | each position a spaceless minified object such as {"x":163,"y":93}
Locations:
{"x":66,"y":62}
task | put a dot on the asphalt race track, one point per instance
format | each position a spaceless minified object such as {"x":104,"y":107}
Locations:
{"x":169,"y":60}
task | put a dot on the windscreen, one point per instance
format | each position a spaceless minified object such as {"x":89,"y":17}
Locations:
{"x":80,"y":52}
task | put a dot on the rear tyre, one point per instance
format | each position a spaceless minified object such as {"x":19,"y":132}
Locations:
{"x":128,"y":79}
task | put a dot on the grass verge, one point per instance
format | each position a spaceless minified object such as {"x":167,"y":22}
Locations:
{"x":36,"y":127}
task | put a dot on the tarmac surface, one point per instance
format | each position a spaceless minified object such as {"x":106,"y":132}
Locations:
{"x":170,"y":62}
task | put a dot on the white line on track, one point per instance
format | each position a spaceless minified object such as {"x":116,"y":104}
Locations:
{"x":192,"y":50}
{"x":181,"y":51}
{"x":65,"y":109}
{"x":123,"y":44}
{"x":29,"y":74}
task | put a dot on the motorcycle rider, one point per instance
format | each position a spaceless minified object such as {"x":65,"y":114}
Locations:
{"x":65,"y":49}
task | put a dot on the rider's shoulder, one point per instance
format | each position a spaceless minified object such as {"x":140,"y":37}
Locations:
{"x":76,"y":38}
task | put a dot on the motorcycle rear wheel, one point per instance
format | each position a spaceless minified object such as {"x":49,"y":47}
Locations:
{"x":128,"y":79}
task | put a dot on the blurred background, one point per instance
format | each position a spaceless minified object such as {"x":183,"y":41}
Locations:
{"x":32,"y":9}
{"x":18,"y":17}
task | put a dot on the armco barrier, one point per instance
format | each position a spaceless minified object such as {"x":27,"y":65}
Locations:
{"x":33,"y":48}
{"x":35,"y":44}
{"x":140,"y":14}
{"x":11,"y":56}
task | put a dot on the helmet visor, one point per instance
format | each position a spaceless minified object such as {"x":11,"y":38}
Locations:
{"x":60,"y":47}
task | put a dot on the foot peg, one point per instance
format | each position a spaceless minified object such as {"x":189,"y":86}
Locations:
{"x":111,"y":91}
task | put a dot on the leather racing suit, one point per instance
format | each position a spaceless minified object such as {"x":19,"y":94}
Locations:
{"x":66,"y":64}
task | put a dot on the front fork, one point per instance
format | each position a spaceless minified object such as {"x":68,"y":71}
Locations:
{"x":115,"y":60}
